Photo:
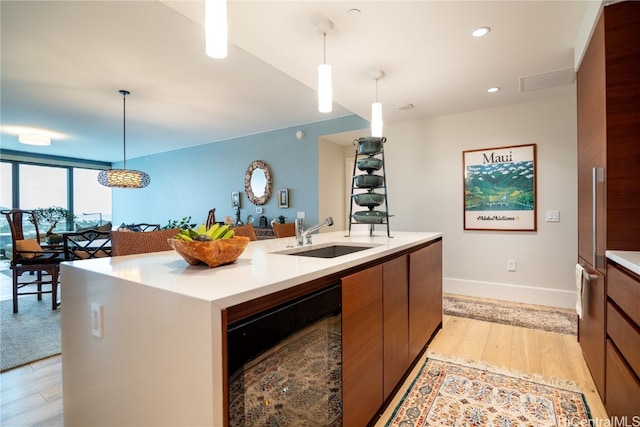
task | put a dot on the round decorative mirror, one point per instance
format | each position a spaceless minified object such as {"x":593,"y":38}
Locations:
{"x":258,"y":182}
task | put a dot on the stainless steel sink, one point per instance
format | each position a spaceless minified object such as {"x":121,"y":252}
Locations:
{"x":327,"y":251}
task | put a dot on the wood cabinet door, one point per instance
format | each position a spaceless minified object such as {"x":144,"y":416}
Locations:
{"x":361,"y":346}
{"x":591,"y":328}
{"x":395,"y":296}
{"x":592,"y":144}
{"x":623,"y":387}
{"x":425,"y":296}
{"x":622,"y":50}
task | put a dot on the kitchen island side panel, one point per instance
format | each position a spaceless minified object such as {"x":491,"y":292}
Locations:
{"x":157,"y":363}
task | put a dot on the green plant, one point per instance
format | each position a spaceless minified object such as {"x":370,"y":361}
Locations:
{"x":183,"y":223}
{"x":52,"y":216}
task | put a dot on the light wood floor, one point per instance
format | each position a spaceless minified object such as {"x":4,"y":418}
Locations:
{"x":32,"y":395}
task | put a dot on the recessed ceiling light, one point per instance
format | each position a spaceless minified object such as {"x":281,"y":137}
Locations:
{"x":34,"y":139}
{"x":354,"y":12}
{"x":480,"y":32}
{"x":493,"y":89}
{"x":405,"y":107}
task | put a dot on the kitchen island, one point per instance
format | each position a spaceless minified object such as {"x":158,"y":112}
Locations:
{"x":144,"y":337}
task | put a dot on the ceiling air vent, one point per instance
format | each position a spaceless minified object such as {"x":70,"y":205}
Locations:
{"x":547,"y":80}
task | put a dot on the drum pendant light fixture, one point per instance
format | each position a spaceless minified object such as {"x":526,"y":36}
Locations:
{"x":216,"y":28}
{"x":325,"y":91}
{"x":123,"y":178}
{"x":376,"y":107}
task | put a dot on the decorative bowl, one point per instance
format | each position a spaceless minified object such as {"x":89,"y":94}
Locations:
{"x":370,"y":144}
{"x":213,"y":252}
{"x":369,"y":164}
{"x":368,"y":199}
{"x":370,"y":217}
{"x":368,"y":181}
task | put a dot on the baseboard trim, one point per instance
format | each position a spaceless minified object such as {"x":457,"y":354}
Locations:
{"x":509,"y":292}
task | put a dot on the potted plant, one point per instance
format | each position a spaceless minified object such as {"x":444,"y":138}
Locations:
{"x":52,"y":216}
{"x":183,"y":223}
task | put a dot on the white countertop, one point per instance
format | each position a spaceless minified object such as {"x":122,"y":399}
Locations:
{"x":628,"y":259}
{"x":258,"y":272}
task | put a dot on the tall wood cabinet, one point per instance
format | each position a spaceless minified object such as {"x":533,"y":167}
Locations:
{"x":608,"y":90}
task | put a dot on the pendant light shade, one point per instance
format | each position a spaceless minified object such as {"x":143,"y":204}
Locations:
{"x":216,"y":28}
{"x":123,"y":178}
{"x":325,"y":91}
{"x":325,"y":87}
{"x":376,"y":107}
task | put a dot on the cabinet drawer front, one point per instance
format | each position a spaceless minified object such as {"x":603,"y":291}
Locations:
{"x":623,"y":388}
{"x":625,"y":291}
{"x":625,"y":337}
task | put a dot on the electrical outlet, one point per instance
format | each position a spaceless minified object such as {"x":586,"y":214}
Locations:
{"x":96,"y":320}
{"x":511,"y":265}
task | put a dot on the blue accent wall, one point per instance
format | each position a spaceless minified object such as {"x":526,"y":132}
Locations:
{"x":191,"y":181}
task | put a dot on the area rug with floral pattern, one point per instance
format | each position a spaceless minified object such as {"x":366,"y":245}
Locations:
{"x":447,"y":393}
{"x":526,"y":316}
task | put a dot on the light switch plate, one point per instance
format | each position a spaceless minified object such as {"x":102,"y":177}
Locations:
{"x":259,"y":210}
{"x":553,"y":216}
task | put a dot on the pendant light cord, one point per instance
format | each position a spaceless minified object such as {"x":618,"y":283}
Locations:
{"x":324,"y":38}
{"x":124,"y":127}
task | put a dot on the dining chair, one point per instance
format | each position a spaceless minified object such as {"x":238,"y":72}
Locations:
{"x":284,"y":230}
{"x":85,"y":244}
{"x":144,"y":227}
{"x":246,"y":230}
{"x":29,"y":256}
{"x":131,"y":242}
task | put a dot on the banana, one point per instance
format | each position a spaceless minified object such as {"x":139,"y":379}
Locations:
{"x":220,"y":232}
{"x":213,"y":229}
{"x":229,"y":232}
{"x":214,"y":232}
{"x":184,"y":235}
{"x":201,"y":229}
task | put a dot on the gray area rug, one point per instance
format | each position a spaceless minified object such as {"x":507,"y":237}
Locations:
{"x":532,"y":317}
{"x":29,"y":335}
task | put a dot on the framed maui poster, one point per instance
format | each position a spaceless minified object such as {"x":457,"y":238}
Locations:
{"x":500,"y":188}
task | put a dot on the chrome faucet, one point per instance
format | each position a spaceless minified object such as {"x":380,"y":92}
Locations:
{"x":306,"y":235}
{"x":299,"y":230}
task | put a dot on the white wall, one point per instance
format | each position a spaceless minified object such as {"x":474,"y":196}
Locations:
{"x":424,"y":180}
{"x":331,"y":180}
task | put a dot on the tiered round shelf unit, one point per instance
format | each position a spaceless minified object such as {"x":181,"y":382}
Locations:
{"x":369,"y":189}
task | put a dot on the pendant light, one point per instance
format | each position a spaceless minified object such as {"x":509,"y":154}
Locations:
{"x":123,"y":178}
{"x":325,"y":91}
{"x":34,"y":139}
{"x":216,"y":28}
{"x":376,"y":107}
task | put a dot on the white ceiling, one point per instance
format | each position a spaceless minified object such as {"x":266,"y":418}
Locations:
{"x":63,"y":63}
